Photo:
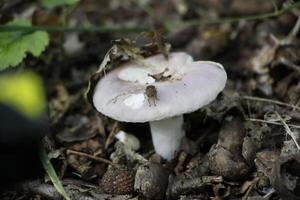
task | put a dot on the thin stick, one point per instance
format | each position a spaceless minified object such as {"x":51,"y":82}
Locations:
{"x":290,"y":64}
{"x":253,"y":183}
{"x":288,"y":130}
{"x":270,"y":122}
{"x":269,"y":101}
{"x":295,"y":29}
{"x":269,"y":194}
{"x":111,"y":135}
{"x":95,"y":158}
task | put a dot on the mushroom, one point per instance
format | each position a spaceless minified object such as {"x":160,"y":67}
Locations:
{"x":159,"y":91}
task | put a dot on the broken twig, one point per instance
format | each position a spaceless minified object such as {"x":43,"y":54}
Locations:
{"x":92,"y":157}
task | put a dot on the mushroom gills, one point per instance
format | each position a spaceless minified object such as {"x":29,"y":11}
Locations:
{"x":167,"y":135}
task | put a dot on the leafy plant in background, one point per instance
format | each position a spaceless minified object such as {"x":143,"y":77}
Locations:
{"x":14,"y":46}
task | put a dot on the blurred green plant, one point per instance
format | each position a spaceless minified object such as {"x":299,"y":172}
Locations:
{"x":24,"y":92}
{"x":15,"y":45}
{"x":53,"y":3}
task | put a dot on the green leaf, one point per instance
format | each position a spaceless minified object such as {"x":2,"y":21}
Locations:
{"x":15,"y":45}
{"x":54,"y":3}
{"x":52,"y":174}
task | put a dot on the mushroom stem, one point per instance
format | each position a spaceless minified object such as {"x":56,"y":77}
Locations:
{"x":166,"y":136}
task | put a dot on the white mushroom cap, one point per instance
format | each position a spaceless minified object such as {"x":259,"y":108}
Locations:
{"x":191,"y":86}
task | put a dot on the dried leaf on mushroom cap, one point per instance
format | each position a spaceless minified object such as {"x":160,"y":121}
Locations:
{"x":125,"y":50}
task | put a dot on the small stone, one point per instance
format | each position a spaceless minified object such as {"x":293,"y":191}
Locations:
{"x":226,"y":158}
{"x":151,"y":181}
{"x":117,"y":180}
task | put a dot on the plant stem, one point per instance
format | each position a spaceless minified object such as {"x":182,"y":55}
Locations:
{"x":236,"y":19}
{"x":275,"y":5}
{"x":169,"y":25}
{"x":99,"y":29}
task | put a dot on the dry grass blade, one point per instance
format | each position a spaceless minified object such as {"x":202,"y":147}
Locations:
{"x":270,"y":101}
{"x":288,"y":130}
{"x":274,"y":123}
{"x":52,"y":174}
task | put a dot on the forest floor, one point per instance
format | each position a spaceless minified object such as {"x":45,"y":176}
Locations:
{"x":244,"y":145}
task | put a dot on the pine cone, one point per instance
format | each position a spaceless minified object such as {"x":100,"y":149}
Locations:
{"x":117,"y":180}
